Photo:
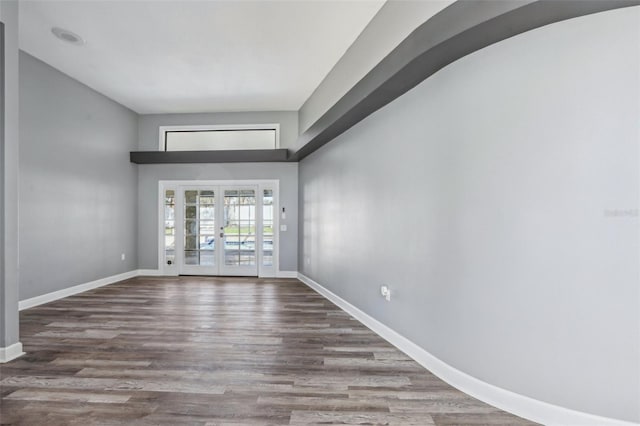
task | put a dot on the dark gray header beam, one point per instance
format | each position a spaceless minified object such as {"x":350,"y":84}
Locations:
{"x":184,"y":157}
{"x":460,"y":29}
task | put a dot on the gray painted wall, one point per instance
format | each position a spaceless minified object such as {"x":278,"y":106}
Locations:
{"x":9,"y":333}
{"x":150,"y":174}
{"x":395,"y":20}
{"x":150,"y":124}
{"x":78,"y":191}
{"x":499,"y":201}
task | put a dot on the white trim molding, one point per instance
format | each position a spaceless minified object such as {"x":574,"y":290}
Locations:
{"x":65,"y":292}
{"x":520,"y":405}
{"x":287,"y":274}
{"x":11,"y":352}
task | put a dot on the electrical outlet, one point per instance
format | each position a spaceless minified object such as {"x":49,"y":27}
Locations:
{"x":122,"y":256}
{"x":308,"y":259}
{"x":385,"y":292}
{"x":283,"y":228}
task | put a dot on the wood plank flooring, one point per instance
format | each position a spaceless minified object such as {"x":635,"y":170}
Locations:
{"x":218,"y":351}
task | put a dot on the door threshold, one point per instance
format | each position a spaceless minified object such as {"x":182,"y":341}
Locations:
{"x":218,"y":276}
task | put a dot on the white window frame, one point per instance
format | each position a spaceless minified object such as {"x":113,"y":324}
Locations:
{"x":261,"y":184}
{"x":214,"y":127}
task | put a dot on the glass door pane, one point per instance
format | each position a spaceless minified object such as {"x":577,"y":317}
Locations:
{"x":199,"y":227}
{"x":240,"y":231}
{"x":267,"y":227}
{"x":169,"y":227}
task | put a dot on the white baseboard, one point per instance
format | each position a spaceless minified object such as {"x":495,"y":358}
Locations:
{"x":11,"y":352}
{"x":65,"y":292}
{"x":520,"y":405}
{"x":287,"y":274}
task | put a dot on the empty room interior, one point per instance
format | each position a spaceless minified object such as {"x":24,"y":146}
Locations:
{"x":312,"y":212}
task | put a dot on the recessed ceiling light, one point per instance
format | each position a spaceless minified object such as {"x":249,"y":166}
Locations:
{"x":67,"y":36}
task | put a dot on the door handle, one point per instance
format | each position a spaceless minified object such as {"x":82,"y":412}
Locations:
{"x":222,"y":235}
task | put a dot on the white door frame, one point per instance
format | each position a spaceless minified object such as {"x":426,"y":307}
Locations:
{"x":241,"y":270}
{"x":261,"y":184}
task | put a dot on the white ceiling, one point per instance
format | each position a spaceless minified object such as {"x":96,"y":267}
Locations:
{"x":197,"y":56}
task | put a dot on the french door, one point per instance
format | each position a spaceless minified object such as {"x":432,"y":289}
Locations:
{"x":219,"y":229}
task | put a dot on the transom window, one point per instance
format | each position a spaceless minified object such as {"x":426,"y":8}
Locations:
{"x":219,"y":138}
